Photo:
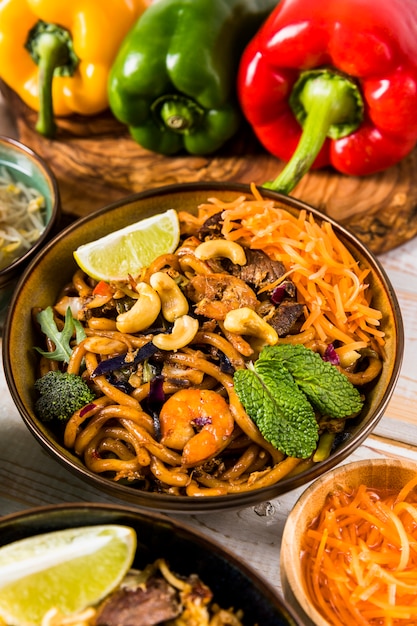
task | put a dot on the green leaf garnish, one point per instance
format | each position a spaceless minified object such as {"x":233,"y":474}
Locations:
{"x":61,"y":339}
{"x":285,"y":387}
{"x":278,"y":407}
{"x":329,"y":391}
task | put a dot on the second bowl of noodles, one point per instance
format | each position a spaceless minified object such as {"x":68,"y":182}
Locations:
{"x":278,"y":363}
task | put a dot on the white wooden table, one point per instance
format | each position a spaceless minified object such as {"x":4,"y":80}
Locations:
{"x":29,"y":477}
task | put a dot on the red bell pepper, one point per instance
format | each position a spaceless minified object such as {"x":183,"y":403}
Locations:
{"x":333,"y":82}
{"x":102,"y":289}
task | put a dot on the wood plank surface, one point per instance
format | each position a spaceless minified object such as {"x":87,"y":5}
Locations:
{"x":400,"y":418}
{"x":96,"y":162}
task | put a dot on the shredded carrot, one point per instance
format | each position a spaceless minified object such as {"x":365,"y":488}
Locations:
{"x":359,"y":557}
{"x":329,"y":281}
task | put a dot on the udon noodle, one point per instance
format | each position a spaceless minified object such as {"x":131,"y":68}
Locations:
{"x":167,"y":418}
{"x":22,"y":218}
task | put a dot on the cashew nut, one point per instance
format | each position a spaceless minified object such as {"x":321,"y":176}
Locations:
{"x":245,"y":321}
{"x":143,"y":313}
{"x":183,"y":332}
{"x":173,"y":302}
{"x":191,"y":265}
{"x":221,"y":248}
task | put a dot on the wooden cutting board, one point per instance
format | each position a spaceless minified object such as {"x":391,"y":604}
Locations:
{"x":96,"y":162}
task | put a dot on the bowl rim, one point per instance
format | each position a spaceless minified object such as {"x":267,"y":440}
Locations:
{"x":187,"y":504}
{"x":43,"y":167}
{"x":263,"y":585}
{"x":291,"y":581}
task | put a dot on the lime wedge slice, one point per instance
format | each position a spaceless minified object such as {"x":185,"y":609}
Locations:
{"x":68,"y":570}
{"x":126,"y":251}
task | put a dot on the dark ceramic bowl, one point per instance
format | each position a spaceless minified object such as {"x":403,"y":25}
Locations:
{"x":29,"y":168}
{"x":233,"y":583}
{"x":54,"y":266}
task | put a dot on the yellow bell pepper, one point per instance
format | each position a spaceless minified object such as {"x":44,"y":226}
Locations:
{"x":56,"y":55}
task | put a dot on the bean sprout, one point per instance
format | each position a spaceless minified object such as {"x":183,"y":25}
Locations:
{"x":22,"y":217}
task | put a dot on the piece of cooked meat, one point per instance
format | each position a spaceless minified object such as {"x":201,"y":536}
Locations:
{"x":212,"y":227}
{"x":259,"y":271}
{"x":286,"y":316}
{"x":217,"y":294}
{"x":140,"y":606}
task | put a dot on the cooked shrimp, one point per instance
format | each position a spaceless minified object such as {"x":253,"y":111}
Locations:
{"x":198,"y":422}
{"x":217,"y":294}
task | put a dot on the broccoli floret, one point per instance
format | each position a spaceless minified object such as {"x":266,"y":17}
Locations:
{"x":61,"y":394}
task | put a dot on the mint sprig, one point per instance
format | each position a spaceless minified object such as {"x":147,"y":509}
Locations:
{"x":285,"y":387}
{"x":330,"y":392}
{"x":278,"y":407}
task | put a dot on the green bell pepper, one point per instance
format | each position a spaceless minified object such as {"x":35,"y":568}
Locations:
{"x":173,"y":82}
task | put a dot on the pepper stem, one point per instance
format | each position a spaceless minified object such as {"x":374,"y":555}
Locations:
{"x":52,"y":54}
{"x":177,"y":113}
{"x":51,"y":48}
{"x":327,"y":105}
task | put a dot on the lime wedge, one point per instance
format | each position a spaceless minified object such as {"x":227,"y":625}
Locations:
{"x":128,"y":250}
{"x":67,"y":569}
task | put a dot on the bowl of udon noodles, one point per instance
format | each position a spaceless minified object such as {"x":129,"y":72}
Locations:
{"x":176,"y":573}
{"x":29,"y":210}
{"x":228,"y":414}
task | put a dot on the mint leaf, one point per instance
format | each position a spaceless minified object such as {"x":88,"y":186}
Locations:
{"x":329,"y":390}
{"x":278,"y":407}
{"x":62,"y":338}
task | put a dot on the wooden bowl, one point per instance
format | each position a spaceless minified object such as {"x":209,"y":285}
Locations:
{"x":54,"y":267}
{"x":379,"y":474}
{"x":187,"y":551}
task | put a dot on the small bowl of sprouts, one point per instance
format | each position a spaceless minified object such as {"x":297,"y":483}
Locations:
{"x":29,"y":209}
